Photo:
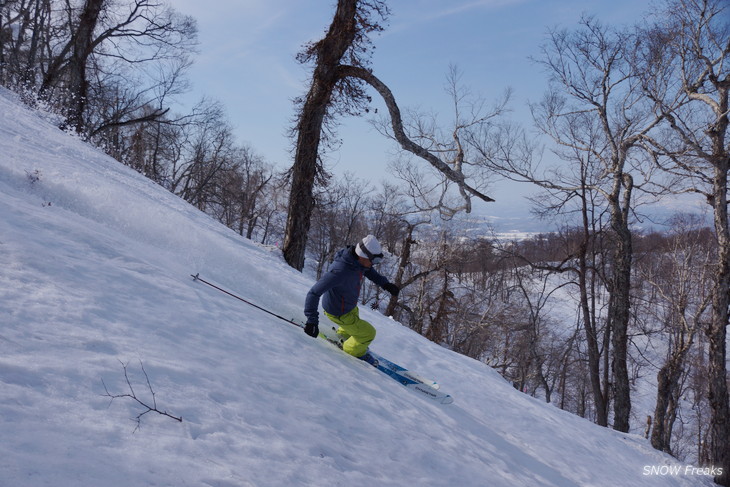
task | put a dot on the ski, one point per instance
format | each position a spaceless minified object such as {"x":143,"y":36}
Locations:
{"x":431,"y":393}
{"x":414,"y":385}
{"x":405,"y":372}
{"x":387,"y":363}
{"x":401,"y":375}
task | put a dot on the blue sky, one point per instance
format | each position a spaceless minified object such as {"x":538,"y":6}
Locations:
{"x":247,"y":51}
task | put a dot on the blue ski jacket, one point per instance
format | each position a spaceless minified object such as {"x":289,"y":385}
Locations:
{"x":339,"y":287}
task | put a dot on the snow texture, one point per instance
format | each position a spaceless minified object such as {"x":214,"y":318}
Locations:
{"x":95,"y":275}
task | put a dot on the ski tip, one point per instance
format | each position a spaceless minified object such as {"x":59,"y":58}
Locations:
{"x":447,"y":400}
{"x":195,"y":276}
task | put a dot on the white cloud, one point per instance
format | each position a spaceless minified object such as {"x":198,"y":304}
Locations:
{"x":430,"y":10}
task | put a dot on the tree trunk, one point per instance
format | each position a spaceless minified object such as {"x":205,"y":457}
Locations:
{"x":589,"y":323}
{"x":329,"y":51}
{"x":717,"y":330}
{"x":437,"y":328}
{"x":405,"y":259}
{"x":665,"y":411}
{"x":619,"y":301}
{"x":82,"y":48}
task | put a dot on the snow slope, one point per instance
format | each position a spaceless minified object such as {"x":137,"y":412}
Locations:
{"x":95,"y":265}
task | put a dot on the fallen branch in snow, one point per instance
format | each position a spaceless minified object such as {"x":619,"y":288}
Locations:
{"x":133,"y":395}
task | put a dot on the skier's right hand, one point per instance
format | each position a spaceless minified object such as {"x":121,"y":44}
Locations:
{"x":311,"y":329}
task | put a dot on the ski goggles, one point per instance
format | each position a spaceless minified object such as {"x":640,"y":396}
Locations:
{"x":374,"y":258}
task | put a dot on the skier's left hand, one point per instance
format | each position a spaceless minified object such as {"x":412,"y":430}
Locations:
{"x":392,"y":288}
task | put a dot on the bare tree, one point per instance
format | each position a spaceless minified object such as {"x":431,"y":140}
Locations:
{"x":330,"y":94}
{"x":24,"y":28}
{"x":685,"y":62}
{"x":206,"y":150}
{"x":337,"y":88}
{"x":401,"y":279}
{"x":444,"y":144}
{"x":101,"y":33}
{"x":81,"y":47}
{"x":678,"y":276}
{"x":536,"y":291}
{"x":594,"y":111}
{"x":452,"y":169}
{"x":240,"y":191}
{"x":573,"y":193}
{"x":339,"y":218}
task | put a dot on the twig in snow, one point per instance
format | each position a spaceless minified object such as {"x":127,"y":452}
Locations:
{"x":132,"y":395}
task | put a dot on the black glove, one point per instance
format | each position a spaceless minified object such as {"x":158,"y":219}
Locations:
{"x":391,"y":288}
{"x":311,"y":329}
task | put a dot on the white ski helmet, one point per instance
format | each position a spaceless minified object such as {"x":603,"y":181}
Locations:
{"x":369,"y":248}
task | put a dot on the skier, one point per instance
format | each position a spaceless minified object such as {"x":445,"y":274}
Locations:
{"x":340,"y":287}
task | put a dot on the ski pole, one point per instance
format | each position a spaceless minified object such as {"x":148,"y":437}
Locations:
{"x":196,"y":277}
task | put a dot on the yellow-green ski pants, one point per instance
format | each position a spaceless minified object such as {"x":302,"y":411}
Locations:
{"x":361,"y":332}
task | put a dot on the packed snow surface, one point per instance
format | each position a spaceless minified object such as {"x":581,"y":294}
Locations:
{"x":95,"y":265}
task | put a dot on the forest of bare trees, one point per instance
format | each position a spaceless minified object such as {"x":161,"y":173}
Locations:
{"x":583,"y":317}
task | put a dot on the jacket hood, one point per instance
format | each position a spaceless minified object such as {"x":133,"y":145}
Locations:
{"x":347,"y":257}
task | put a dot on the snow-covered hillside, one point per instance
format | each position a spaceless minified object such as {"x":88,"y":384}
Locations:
{"x":95,"y":265}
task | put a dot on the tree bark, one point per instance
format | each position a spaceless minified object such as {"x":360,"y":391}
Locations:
{"x":619,"y":301}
